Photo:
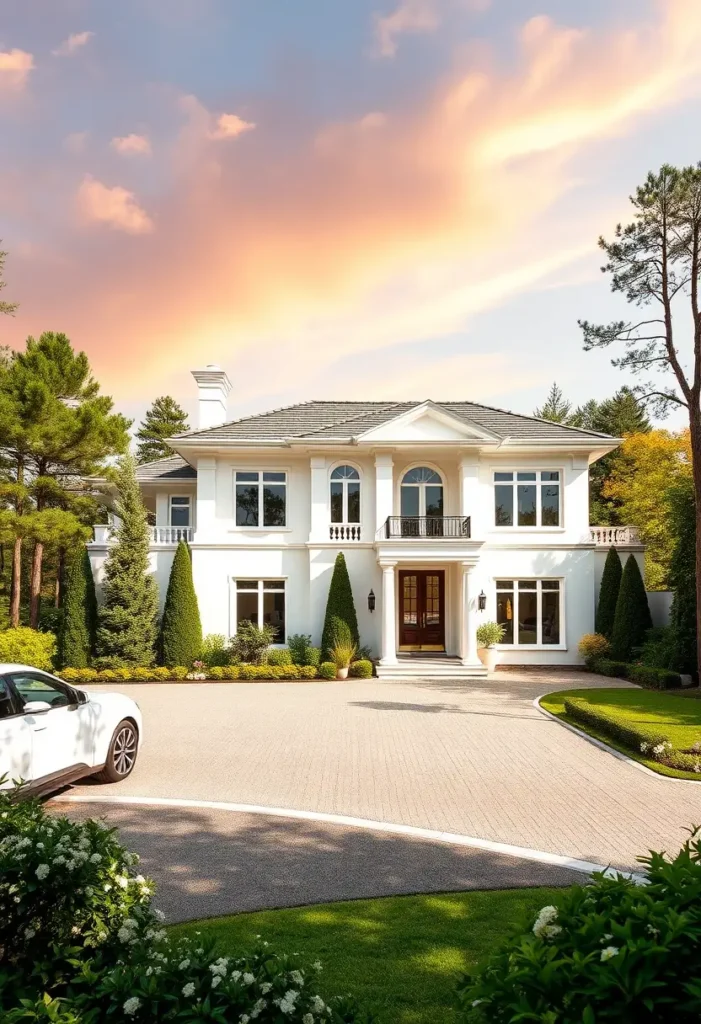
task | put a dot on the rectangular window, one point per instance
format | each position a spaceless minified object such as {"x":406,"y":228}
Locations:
{"x":529,"y":498}
{"x":179,"y":511}
{"x":529,"y":611}
{"x":261,"y":499}
{"x":262,"y":601}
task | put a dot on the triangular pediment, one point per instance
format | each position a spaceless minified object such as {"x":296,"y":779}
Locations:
{"x":426,"y":423}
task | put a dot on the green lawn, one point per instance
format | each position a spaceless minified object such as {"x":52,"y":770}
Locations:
{"x":400,"y":956}
{"x":676,"y":716}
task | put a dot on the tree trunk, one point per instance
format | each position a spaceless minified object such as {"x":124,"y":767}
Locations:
{"x":695,"y":425}
{"x":58,"y":593}
{"x":35,"y":585}
{"x":16,"y":585}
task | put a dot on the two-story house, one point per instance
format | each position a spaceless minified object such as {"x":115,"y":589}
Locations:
{"x":448,"y":513}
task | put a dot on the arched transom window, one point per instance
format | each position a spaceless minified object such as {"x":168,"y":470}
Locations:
{"x":422,"y":493}
{"x":345,"y":495}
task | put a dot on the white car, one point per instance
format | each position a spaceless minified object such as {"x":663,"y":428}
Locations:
{"x":52,"y":734}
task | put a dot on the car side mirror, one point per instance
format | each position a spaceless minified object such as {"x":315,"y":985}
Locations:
{"x":36,"y":707}
{"x":81,"y":696}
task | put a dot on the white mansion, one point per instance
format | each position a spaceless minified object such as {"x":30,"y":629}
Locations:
{"x":449,"y":514}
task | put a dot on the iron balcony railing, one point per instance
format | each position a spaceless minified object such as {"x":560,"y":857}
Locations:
{"x":427,"y":526}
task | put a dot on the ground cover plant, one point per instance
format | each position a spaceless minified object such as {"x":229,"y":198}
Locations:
{"x":665,"y":716}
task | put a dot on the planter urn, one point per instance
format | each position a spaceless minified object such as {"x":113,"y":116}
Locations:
{"x":488,"y":657}
{"x":342,"y":673}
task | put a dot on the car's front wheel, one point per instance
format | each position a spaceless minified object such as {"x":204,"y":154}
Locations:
{"x":121,"y":756}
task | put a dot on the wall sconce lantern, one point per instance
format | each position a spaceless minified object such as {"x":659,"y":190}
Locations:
{"x":482,"y":601}
{"x":371,"y":601}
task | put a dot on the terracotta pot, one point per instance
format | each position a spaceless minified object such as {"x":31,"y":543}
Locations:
{"x":342,"y":673}
{"x":488,"y":656}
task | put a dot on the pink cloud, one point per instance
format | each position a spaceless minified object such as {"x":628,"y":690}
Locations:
{"x":74,"y":42}
{"x":15,"y":67}
{"x":132,"y":145}
{"x":116,"y":207}
{"x":230,"y":126}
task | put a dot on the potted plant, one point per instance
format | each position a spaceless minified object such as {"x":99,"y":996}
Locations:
{"x":489,"y":634}
{"x":342,"y":655}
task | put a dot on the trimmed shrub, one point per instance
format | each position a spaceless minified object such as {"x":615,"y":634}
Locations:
{"x":69,"y":675}
{"x":298,"y":644}
{"x":327,"y":670}
{"x":87,"y":675}
{"x":251,"y":642}
{"x":248,"y":672}
{"x":108,"y":675}
{"x":232,"y":671}
{"x":607,"y":667}
{"x":312,"y":657}
{"x":632,"y":619}
{"x":76,"y":639}
{"x":180,"y":642}
{"x":214,"y":650}
{"x":161,"y":673}
{"x":143,"y":675}
{"x":654,"y":678}
{"x":608,"y":593}
{"x":123,"y":673}
{"x":279,"y":656}
{"x":592,"y":647}
{"x":25,"y":646}
{"x":361,"y":670}
{"x":308,"y":672}
{"x":216,"y":672}
{"x":339,"y":606}
{"x":178,"y":672}
{"x":609,"y":950}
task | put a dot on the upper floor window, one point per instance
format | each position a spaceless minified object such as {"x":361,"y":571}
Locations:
{"x":345,"y":495}
{"x":527,"y":498}
{"x":179,"y":511}
{"x":261,"y":499}
{"x":421,"y":493}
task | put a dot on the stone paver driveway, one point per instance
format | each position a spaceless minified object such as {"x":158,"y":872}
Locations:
{"x":468,"y":757}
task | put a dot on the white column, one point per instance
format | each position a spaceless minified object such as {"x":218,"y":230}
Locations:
{"x":468,"y":620}
{"x":389,"y":616}
{"x":384,"y":491}
{"x":206,"y":498}
{"x":320,"y":516}
{"x":469,"y":493}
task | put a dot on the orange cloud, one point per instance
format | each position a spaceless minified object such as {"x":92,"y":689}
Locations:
{"x":410,"y":16}
{"x":230,"y":126}
{"x":132,"y":145}
{"x":114,"y":206}
{"x":15,"y":66}
{"x":74,"y":42}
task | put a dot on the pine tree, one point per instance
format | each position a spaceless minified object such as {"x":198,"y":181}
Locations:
{"x":683,"y":576}
{"x":181,"y":629}
{"x":79,"y":624}
{"x":339,"y":605}
{"x":632,"y":619}
{"x":164,"y":419}
{"x":608,"y":593}
{"x":555,"y":408}
{"x":127,"y":620}
{"x":5,"y":307}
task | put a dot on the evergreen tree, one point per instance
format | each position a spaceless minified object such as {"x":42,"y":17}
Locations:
{"x":181,"y":629}
{"x":683,"y":576}
{"x":632,"y":619}
{"x":608,"y":593}
{"x":339,"y":605}
{"x":555,"y":408}
{"x":79,"y":623}
{"x":127,"y":620}
{"x":164,"y":419}
{"x":5,"y":307}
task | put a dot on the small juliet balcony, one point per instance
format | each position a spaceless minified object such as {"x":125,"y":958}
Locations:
{"x":344,"y":531}
{"x":427,"y":527}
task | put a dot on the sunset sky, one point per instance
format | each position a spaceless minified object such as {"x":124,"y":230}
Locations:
{"x":333,"y":198}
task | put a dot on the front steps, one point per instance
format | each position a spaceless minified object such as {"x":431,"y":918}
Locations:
{"x":442,"y":667}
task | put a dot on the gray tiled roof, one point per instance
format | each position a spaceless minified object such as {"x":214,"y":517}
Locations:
{"x":171,"y":468}
{"x":343,"y":420}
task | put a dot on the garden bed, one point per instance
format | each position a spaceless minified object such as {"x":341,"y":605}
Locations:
{"x":625,"y":718}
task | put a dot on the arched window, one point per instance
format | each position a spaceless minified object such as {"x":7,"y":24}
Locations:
{"x":345,"y":495}
{"x":422,"y":493}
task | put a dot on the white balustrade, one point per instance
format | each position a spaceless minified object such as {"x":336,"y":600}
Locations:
{"x":605,"y":536}
{"x":344,"y":531}
{"x":170,"y":534}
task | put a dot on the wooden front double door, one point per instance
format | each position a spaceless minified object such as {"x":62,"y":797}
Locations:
{"x":421,"y":610}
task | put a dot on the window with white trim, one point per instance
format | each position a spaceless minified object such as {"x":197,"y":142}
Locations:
{"x":261,"y":499}
{"x":527,"y":497}
{"x":179,"y":511}
{"x":530,"y":612}
{"x":345,"y":495}
{"x":262,"y":601}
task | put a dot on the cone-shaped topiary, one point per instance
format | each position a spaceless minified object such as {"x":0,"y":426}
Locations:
{"x":128,"y":618}
{"x":632,"y":619}
{"x":76,"y":642}
{"x":339,"y":605}
{"x":608,"y":593}
{"x":683,"y":576}
{"x":181,"y":630}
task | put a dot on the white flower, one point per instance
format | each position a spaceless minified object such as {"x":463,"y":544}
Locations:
{"x":244,"y":1019}
{"x":236,"y":975}
{"x":266,"y":988}
{"x":122,"y":881}
{"x":189,"y":989}
{"x":248,"y":978}
{"x":543,"y":924}
{"x":42,"y":871}
{"x":476,"y":1002}
{"x":140,"y":879}
{"x":132,"y":1005}
{"x":607,"y":937}
{"x":307,"y":1019}
{"x":107,"y":886}
{"x":29,"y":933}
{"x":75,"y":930}
{"x":318,"y":1004}
{"x":317,"y":965}
{"x":297,"y":977}
{"x":183,"y":965}
{"x":159,"y":915}
{"x":652,"y":931}
{"x":96,"y":858}
{"x":609,"y":952}
{"x":551,"y":930}
{"x":643,"y":747}
{"x":216,"y":980}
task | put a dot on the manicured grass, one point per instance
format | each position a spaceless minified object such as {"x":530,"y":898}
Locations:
{"x":400,"y":957}
{"x":673,"y":715}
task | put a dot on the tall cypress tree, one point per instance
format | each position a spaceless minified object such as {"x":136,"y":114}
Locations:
{"x":164,"y":419}
{"x":632,"y":619}
{"x":339,"y":605}
{"x":181,"y":629}
{"x":79,"y":624}
{"x":608,"y":593}
{"x":127,"y":620}
{"x":682,"y":573}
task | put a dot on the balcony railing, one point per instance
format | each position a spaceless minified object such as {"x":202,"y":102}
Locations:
{"x":171,"y":534}
{"x":450,"y":527}
{"x":605,"y":536}
{"x":344,"y":531}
